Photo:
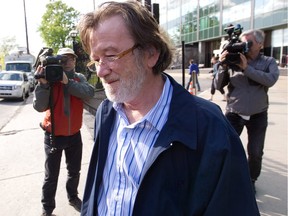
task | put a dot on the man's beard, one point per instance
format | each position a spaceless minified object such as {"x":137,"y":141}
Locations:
{"x":128,"y":89}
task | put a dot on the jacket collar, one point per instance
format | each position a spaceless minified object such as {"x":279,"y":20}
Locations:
{"x":178,"y":128}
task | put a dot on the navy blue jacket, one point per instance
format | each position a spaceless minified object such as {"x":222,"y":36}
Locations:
{"x":202,"y":170}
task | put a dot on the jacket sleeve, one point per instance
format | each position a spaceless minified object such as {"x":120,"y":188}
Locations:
{"x":41,"y":97}
{"x":266,"y":73}
{"x":233,"y":188}
{"x":222,"y":77}
{"x":81,"y":89}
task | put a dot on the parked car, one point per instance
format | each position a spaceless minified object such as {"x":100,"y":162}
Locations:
{"x":14,"y":84}
{"x":32,"y":81}
{"x":19,"y":59}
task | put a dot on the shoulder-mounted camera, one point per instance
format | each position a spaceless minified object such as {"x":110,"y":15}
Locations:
{"x":235,"y":46}
{"x":53,"y":70}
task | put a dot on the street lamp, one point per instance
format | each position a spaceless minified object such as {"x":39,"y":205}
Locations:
{"x":73,"y":34}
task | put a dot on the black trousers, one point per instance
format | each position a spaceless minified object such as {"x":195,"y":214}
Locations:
{"x":256,"y":129}
{"x":72,"y":147}
{"x":213,"y":89}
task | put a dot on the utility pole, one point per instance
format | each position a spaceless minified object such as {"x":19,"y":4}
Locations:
{"x":27,"y":42}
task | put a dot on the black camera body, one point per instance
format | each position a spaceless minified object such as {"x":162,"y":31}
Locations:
{"x":53,"y":70}
{"x":235,"y":46}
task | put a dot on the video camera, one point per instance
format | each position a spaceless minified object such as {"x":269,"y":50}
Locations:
{"x":53,"y":71}
{"x":235,"y":46}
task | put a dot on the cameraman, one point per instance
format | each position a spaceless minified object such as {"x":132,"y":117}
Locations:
{"x":64,"y":134}
{"x":247,"y":98}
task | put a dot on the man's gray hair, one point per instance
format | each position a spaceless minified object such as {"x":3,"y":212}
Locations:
{"x":259,"y":35}
{"x":141,"y":24}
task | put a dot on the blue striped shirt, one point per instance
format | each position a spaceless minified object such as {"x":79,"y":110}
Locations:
{"x":128,"y":156}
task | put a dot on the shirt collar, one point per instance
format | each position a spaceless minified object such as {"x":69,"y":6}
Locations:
{"x":161,"y":104}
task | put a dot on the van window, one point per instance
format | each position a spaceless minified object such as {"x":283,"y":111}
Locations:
{"x":26,"y":67}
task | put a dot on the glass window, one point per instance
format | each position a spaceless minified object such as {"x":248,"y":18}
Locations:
{"x":265,"y":6}
{"x":276,"y":53}
{"x":203,"y":23}
{"x":26,"y":67}
{"x":285,"y":37}
{"x":214,"y":19}
{"x":232,"y":14}
{"x":205,"y":10}
{"x":277,"y":38}
{"x":204,"y":3}
{"x":232,"y":3}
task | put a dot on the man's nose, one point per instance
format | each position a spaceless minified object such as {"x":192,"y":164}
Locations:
{"x":102,"y":70}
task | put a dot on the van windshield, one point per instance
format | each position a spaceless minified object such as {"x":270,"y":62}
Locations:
{"x":26,"y":67}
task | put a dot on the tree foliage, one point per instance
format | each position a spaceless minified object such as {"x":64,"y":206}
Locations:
{"x":57,"y":22}
{"x":6,"y":45}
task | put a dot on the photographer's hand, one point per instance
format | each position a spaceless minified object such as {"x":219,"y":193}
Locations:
{"x":223,"y":56}
{"x":40,"y":71}
{"x":243,"y":63}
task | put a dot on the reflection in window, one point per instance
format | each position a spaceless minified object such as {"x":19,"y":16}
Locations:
{"x":189,"y":18}
{"x":265,"y":6}
{"x":230,"y":15}
{"x":279,"y":45}
{"x":204,"y":3}
{"x":232,"y":3}
{"x":285,"y":36}
{"x":209,"y":21}
{"x":277,"y":38}
{"x":209,"y":9}
{"x":209,"y":18}
{"x":276,"y":53}
{"x":189,"y":7}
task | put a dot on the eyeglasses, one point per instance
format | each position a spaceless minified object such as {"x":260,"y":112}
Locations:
{"x":109,"y":59}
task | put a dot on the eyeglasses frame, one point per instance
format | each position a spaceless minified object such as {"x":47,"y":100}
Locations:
{"x":112,"y":58}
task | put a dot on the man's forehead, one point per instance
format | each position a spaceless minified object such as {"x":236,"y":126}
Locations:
{"x":110,"y":32}
{"x":248,"y":37}
{"x":111,"y":24}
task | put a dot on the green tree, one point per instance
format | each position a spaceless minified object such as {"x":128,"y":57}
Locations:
{"x":56,"y":23}
{"x":6,"y":45}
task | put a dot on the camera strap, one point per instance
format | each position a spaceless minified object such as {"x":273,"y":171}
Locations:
{"x":66,"y":101}
{"x":52,"y":135}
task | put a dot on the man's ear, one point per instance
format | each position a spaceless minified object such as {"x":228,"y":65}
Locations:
{"x":152,"y":56}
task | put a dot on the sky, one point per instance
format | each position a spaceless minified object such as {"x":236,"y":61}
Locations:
{"x":12,"y":21}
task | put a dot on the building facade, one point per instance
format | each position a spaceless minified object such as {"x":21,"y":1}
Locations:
{"x":200,"y":25}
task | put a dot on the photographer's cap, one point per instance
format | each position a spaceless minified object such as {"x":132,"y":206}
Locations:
{"x":66,"y":51}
